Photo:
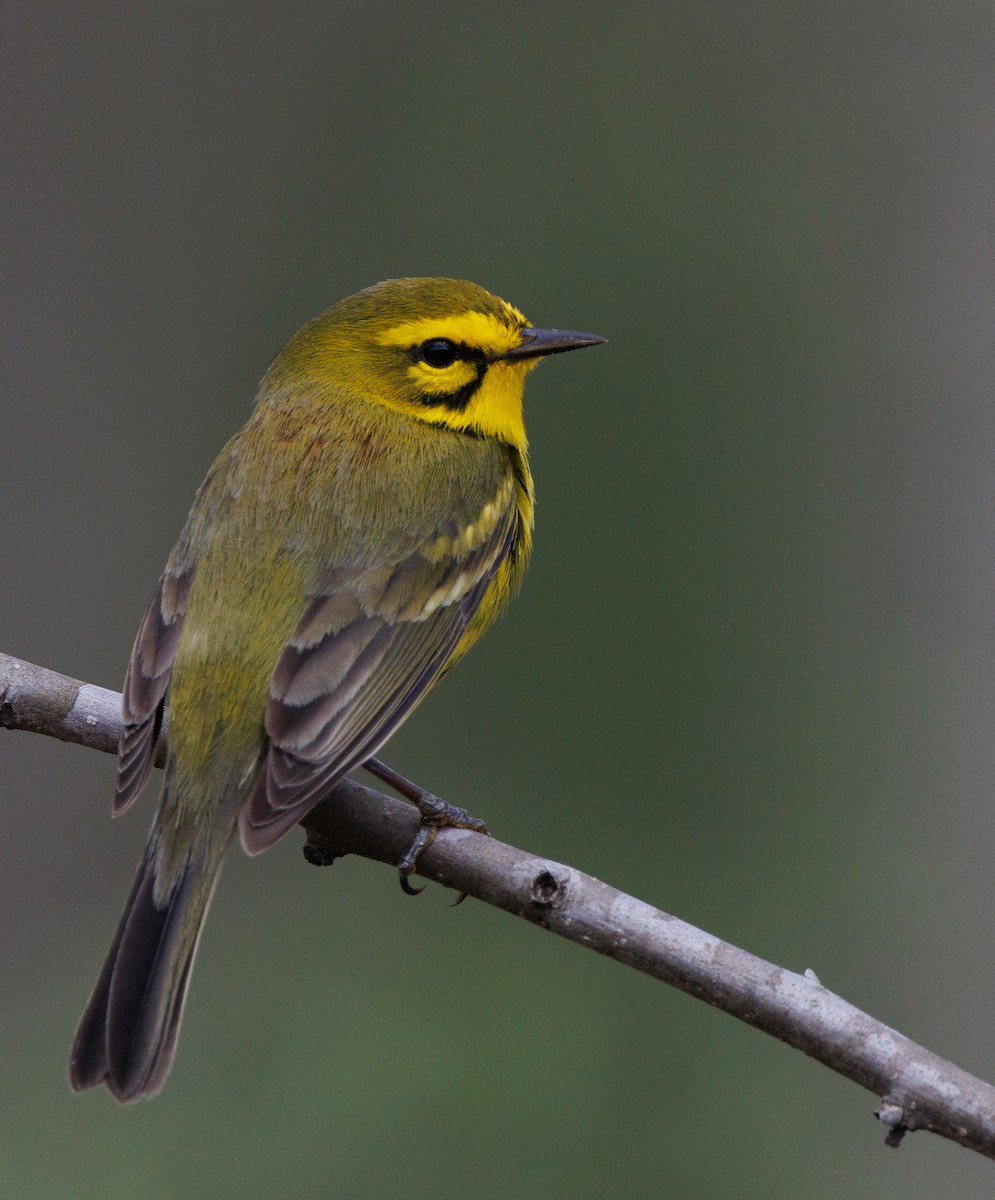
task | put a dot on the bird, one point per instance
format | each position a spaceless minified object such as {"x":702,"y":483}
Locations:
{"x":347,"y":547}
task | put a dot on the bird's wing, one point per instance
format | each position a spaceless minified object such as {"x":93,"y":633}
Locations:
{"x":146,"y":682}
{"x":368,"y":647}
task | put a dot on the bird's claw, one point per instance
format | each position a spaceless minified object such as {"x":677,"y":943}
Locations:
{"x":436,"y":814}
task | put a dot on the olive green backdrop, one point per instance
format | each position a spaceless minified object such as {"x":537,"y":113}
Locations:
{"x":751,"y":675}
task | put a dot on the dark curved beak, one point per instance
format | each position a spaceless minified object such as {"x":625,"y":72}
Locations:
{"x":538,"y":342}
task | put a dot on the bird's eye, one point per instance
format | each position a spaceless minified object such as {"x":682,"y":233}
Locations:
{"x":439,"y":352}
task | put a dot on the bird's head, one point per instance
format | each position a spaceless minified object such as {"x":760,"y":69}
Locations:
{"x":443,"y":351}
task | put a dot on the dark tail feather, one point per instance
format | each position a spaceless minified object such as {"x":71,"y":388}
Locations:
{"x":127,"y":1035}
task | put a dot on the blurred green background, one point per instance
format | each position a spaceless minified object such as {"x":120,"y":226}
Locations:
{"x":751,"y":675}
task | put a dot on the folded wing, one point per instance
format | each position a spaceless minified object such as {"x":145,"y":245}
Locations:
{"x":368,"y":647}
{"x":146,"y":683}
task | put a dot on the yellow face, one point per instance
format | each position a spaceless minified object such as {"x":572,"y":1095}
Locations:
{"x":455,"y":374}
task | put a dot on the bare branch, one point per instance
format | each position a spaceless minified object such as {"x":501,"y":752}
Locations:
{"x":918,"y":1090}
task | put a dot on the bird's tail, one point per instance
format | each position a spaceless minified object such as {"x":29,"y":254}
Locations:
{"x":127,"y":1035}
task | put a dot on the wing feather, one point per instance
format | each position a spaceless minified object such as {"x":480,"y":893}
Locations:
{"x":145,"y":685}
{"x":364,"y":653}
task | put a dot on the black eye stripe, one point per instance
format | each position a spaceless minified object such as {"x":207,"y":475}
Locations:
{"x":443,"y":352}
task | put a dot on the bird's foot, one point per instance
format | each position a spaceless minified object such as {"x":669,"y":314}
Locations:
{"x":435,"y":813}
